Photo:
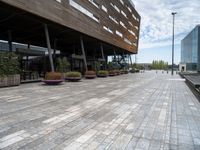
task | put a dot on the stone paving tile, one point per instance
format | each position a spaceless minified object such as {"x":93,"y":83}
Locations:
{"x":136,"y":111}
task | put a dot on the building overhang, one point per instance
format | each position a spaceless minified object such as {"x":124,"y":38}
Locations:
{"x":28,"y":28}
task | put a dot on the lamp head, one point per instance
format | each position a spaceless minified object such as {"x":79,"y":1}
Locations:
{"x":174,"y":13}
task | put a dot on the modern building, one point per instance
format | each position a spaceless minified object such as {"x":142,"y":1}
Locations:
{"x":190,"y":51}
{"x":85,"y":31}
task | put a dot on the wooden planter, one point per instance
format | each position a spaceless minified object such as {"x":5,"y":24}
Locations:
{"x":10,"y":80}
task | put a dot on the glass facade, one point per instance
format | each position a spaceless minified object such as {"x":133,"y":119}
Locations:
{"x":190,"y":50}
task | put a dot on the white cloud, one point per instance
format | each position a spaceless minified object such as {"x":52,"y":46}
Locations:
{"x":156,"y":23}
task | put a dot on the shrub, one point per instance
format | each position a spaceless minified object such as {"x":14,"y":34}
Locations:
{"x":103,"y":73}
{"x":113,"y":65}
{"x":9,"y":64}
{"x":62,"y":65}
{"x":53,"y":76}
{"x":73,"y":74}
{"x":97,"y":66}
{"x":134,"y":70}
{"x":125,"y":71}
{"x":90,"y":73}
{"x":66,"y":64}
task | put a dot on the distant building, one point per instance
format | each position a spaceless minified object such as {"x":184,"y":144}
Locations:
{"x":190,"y":51}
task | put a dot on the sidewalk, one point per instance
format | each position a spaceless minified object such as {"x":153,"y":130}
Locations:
{"x":145,"y":111}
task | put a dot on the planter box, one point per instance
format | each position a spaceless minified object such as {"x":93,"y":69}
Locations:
{"x":52,"y":82}
{"x":73,"y":79}
{"x":10,"y":80}
{"x":90,"y":76}
{"x":102,"y":75}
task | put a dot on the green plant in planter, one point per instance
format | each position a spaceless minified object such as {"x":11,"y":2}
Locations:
{"x":9,"y":64}
{"x":62,"y":65}
{"x":124,"y":71}
{"x":97,"y":66}
{"x":66,"y":64}
{"x":103,"y":73}
{"x":9,"y":69}
{"x":134,"y":70}
{"x":113,"y":66}
{"x":110,"y":66}
{"x":73,"y":76}
{"x":59,"y":65}
{"x":53,"y":76}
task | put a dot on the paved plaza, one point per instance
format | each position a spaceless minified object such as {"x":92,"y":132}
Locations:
{"x":145,"y":111}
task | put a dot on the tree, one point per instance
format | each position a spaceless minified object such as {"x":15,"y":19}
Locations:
{"x":62,"y":65}
{"x":159,"y":65}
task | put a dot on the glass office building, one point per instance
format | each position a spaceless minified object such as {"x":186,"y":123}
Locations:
{"x":190,"y":50}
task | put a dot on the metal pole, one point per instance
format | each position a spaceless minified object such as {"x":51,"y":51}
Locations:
{"x":10,"y":41}
{"x":173,"y":14}
{"x":83,"y":52}
{"x":102,"y":52}
{"x":49,"y":47}
{"x":135,"y":59}
{"x":103,"y":56}
{"x":54,"y":50}
{"x":29,"y":46}
{"x":115,"y":59}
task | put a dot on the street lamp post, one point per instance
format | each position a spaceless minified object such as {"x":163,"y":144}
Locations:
{"x":173,"y":14}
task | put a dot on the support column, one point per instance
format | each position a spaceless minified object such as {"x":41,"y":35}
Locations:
{"x":83,"y":52}
{"x":115,"y":56}
{"x":10,"y":41}
{"x":123,"y":60}
{"x":28,"y":46}
{"x":103,"y":57}
{"x":54,"y":50}
{"x":131,"y":60}
{"x":102,"y":52}
{"x":49,"y":47}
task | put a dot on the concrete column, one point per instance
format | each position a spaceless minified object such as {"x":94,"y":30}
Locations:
{"x":83,"y":52}
{"x":131,"y":60}
{"x":49,"y":47}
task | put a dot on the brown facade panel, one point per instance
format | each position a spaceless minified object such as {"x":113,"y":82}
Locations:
{"x":113,"y":21}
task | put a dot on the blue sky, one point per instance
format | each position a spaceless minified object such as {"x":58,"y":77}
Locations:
{"x":156,"y":27}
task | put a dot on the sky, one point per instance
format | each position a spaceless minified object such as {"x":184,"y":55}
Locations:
{"x":156,"y":27}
